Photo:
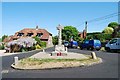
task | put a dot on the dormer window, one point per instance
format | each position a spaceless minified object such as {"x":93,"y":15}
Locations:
{"x":20,"y":34}
{"x":29,"y":34}
{"x":39,"y":34}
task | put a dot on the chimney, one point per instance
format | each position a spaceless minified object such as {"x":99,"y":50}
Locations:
{"x":36,"y":27}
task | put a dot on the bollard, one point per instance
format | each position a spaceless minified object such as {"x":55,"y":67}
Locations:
{"x":66,"y":49}
{"x":43,"y":50}
{"x":93,"y":55}
{"x":16,"y":60}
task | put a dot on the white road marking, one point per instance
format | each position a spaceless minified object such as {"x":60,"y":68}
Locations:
{"x":5,"y":71}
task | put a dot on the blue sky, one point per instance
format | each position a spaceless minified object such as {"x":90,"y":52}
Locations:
{"x":16,"y":16}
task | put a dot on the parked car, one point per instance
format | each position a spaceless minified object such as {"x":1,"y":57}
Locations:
{"x":84,"y":44}
{"x":91,"y":45}
{"x":73,"y":44}
{"x":66,"y":44}
{"x":113,"y":45}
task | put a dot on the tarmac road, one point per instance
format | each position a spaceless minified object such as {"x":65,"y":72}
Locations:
{"x":107,"y":69}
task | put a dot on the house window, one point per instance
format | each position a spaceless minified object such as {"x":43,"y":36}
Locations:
{"x":39,"y":34}
{"x":20,"y":34}
{"x":29,"y":34}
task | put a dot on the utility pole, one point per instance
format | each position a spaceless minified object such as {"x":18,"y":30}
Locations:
{"x":85,"y":34}
{"x":86,"y":26}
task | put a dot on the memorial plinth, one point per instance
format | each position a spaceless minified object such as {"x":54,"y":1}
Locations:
{"x":60,"y":50}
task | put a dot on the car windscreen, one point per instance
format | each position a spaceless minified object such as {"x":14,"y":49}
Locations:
{"x":86,"y":42}
{"x":65,"y":42}
{"x":113,"y":41}
{"x":97,"y":41}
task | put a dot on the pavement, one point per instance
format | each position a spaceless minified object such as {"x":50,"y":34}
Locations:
{"x":2,"y":53}
{"x":107,"y":69}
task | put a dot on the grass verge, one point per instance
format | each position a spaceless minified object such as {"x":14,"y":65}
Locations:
{"x":33,"y":63}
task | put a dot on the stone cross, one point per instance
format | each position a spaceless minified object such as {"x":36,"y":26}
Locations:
{"x":60,"y":34}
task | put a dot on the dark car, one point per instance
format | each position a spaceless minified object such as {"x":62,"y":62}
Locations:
{"x":73,"y":44}
{"x":66,"y":44}
{"x":91,"y":45}
{"x":84,"y":44}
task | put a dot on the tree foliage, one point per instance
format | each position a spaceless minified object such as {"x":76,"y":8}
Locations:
{"x":116,"y":32}
{"x":70,"y":32}
{"x":4,"y":36}
{"x":107,"y":33}
{"x":118,"y":35}
{"x":101,"y":36}
{"x":43,"y":44}
{"x":2,"y":46}
{"x":108,"y":30}
{"x":55,"y":40}
{"x":113,"y":24}
{"x":39,"y":42}
{"x":0,"y":39}
{"x":37,"y":39}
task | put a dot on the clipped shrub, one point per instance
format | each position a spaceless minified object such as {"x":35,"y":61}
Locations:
{"x":43,"y":44}
{"x":37,"y":46}
{"x":24,"y":49}
{"x":37,"y":39}
{"x":33,"y":48}
{"x":2,"y":47}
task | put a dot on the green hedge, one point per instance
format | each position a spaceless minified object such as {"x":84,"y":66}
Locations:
{"x":2,"y":47}
{"x":101,"y":36}
{"x":43,"y":44}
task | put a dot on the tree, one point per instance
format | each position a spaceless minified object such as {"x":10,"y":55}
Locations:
{"x":69,"y":32}
{"x":39,"y":42}
{"x":4,"y":36}
{"x":116,"y":32}
{"x":90,"y":37}
{"x":55,"y":40}
{"x":101,"y":36}
{"x":108,"y":30}
{"x":0,"y":39}
{"x":37,"y":39}
{"x":118,"y":35}
{"x":113,"y":24}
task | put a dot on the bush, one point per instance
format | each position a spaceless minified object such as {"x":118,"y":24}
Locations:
{"x":43,"y":44}
{"x":37,"y":46}
{"x":24,"y":49}
{"x":33,"y":48}
{"x":55,"y":40}
{"x":101,"y":36}
{"x":37,"y":39}
{"x":4,"y":36}
{"x":118,"y":35}
{"x":2,"y":47}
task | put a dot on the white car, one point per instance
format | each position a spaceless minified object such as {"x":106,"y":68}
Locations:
{"x":113,"y":45}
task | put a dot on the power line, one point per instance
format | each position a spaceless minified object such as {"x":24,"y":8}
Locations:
{"x":104,"y":17}
{"x":104,"y":21}
{"x":101,"y":18}
{"x":81,"y":24}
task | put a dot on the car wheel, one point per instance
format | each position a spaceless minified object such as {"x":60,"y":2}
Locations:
{"x":91,"y":48}
{"x":108,"y":49}
{"x":81,"y":48}
{"x":97,"y":49}
{"x":88,"y":48}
